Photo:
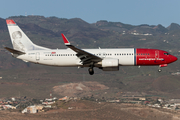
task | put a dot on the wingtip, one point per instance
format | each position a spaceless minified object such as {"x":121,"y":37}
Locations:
{"x":66,"y":42}
{"x":10,"y":21}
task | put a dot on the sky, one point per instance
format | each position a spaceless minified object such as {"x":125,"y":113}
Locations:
{"x":134,"y":12}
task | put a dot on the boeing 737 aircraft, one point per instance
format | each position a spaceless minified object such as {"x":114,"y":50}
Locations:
{"x":105,"y":59}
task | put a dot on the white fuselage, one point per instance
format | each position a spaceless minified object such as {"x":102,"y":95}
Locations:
{"x":67,"y":57}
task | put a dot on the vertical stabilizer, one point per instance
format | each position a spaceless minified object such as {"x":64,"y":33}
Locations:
{"x":19,"y":39}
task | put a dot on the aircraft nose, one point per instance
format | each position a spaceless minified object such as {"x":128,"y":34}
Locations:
{"x":173,"y":58}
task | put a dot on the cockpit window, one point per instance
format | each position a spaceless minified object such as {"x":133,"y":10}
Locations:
{"x":166,"y":53}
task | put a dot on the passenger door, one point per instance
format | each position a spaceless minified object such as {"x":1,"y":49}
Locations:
{"x":157,"y":55}
{"x":37,"y":56}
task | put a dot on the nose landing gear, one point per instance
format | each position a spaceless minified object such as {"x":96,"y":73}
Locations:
{"x":163,"y":65}
{"x":159,"y":70}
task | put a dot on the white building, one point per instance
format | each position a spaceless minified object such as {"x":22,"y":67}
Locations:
{"x":33,"y":109}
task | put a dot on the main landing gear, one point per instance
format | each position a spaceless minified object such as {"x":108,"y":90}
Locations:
{"x":91,"y":71}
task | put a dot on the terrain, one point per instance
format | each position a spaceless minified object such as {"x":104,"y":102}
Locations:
{"x":37,"y":81}
{"x":88,"y":110}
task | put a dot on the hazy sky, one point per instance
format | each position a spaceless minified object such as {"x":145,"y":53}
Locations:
{"x":135,"y":12}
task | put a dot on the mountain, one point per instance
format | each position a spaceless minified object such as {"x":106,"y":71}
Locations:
{"x":98,"y":34}
{"x":74,"y":29}
{"x":173,"y":27}
{"x":3,"y":26}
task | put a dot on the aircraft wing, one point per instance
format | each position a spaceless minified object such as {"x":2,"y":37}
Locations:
{"x":86,"y":57}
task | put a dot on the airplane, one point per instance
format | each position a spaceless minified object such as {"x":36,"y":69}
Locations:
{"x":105,"y":59}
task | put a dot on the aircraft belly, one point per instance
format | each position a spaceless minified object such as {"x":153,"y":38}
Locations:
{"x":59,"y":61}
{"x":66,"y":62}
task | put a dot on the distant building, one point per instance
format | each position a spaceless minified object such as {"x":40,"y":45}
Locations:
{"x":177,"y":73}
{"x":64,"y":98}
{"x":142,"y":99}
{"x":8,"y":107}
{"x":48,"y":103}
{"x":174,"y":101}
{"x":33,"y":109}
{"x":113,"y":101}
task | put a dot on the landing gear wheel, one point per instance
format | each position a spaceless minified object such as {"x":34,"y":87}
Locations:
{"x":159,"y":70}
{"x":91,"y":71}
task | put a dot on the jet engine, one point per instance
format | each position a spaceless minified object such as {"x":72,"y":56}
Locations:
{"x":110,"y":64}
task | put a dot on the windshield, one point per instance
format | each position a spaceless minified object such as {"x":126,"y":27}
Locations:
{"x":166,"y":53}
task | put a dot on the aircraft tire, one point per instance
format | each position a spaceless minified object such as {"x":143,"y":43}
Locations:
{"x":91,"y":71}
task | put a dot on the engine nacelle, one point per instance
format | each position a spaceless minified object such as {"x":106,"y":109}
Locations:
{"x":110,"y":64}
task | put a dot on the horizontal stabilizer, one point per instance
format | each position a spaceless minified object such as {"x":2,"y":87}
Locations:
{"x":14,"y":51}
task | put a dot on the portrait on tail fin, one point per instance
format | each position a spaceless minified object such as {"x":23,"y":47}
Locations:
{"x":17,"y":44}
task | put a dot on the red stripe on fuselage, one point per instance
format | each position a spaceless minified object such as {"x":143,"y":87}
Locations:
{"x":152,"y":57}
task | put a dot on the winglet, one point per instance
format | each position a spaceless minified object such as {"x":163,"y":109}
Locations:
{"x":10,"y":21}
{"x":66,"y":42}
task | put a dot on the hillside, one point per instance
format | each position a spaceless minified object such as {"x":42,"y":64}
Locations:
{"x":38,"y":81}
{"x":88,"y":110}
{"x":101,"y":33}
